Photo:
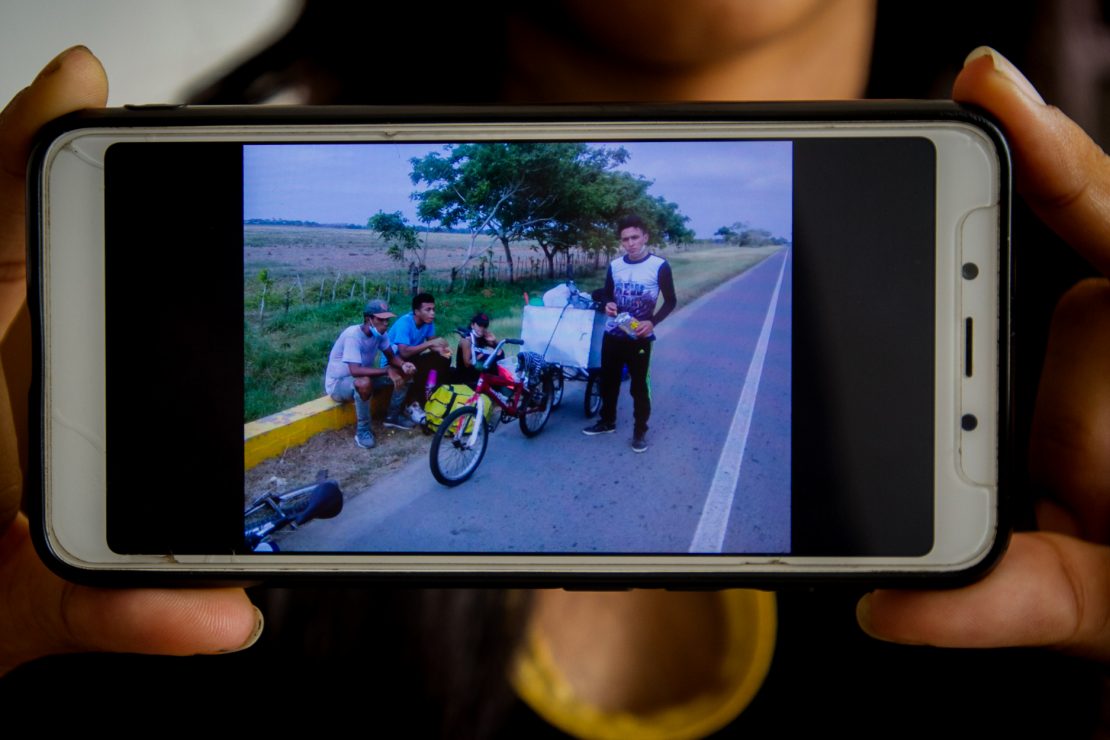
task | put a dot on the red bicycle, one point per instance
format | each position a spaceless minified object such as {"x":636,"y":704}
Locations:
{"x":460,"y":441}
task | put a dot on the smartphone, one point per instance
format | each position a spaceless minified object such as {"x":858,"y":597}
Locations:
{"x":827,"y":399}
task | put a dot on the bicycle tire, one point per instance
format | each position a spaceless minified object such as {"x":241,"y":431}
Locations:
{"x":534,"y":417}
{"x":558,"y":379}
{"x":457,"y":451}
{"x":592,"y":400}
{"x":261,"y":513}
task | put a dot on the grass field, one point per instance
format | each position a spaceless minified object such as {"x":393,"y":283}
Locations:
{"x":318,"y":279}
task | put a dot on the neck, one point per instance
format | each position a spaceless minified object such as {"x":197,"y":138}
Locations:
{"x":819,"y":52}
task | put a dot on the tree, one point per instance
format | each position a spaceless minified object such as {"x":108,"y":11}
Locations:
{"x":727,"y":235}
{"x":493,"y":188}
{"x":583,"y":199}
{"x":401,"y":239}
{"x":561,"y":195}
{"x":617,"y":194}
{"x":743,"y":235}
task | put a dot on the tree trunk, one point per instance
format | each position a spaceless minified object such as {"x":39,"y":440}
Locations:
{"x":508,"y":258}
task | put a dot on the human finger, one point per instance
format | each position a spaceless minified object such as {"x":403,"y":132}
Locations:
{"x":1048,"y":590}
{"x":40,"y":614}
{"x":1069,"y":452}
{"x":73,"y":80}
{"x":1061,"y":172}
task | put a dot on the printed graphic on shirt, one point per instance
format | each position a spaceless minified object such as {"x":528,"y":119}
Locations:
{"x":636,"y":287}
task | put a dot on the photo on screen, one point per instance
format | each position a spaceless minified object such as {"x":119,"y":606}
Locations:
{"x":514,"y":240}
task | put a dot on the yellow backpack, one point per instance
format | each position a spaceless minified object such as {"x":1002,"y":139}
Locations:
{"x":447,"y":398}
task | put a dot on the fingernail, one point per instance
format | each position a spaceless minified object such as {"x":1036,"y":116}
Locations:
{"x":252,"y":638}
{"x":863,"y":615}
{"x":56,"y":63}
{"x":1005,"y":67}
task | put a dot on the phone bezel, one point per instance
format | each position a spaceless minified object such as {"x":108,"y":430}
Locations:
{"x":768,"y":121}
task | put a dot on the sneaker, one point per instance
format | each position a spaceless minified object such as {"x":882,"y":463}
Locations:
{"x":639,"y":444}
{"x":364,"y":439}
{"x":399,"y":422}
{"x":416,"y":413}
{"x":600,"y":428}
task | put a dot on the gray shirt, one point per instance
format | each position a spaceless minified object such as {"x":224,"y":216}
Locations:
{"x":354,"y":346}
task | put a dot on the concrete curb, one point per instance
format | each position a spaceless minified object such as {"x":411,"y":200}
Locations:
{"x":272,"y":435}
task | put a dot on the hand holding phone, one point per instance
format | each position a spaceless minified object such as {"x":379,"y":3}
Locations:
{"x":891,"y":363}
{"x":41,"y":614}
{"x":1050,"y":588}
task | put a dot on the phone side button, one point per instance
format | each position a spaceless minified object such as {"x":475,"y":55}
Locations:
{"x":154,"y":106}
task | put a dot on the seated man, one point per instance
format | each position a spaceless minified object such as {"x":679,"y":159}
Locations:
{"x":353,"y":373}
{"x":413,"y":338}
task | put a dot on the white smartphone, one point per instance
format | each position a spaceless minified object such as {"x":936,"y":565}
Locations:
{"x":824,"y":396}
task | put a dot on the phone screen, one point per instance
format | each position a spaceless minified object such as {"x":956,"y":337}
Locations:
{"x":791,"y":389}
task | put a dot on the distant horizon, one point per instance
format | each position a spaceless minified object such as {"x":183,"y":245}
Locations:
{"x":364,"y":227}
{"x":714,"y":183}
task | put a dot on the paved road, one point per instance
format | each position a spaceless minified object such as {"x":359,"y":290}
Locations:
{"x":716,"y":477}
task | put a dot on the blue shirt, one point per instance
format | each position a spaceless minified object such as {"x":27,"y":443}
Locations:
{"x":404,"y":331}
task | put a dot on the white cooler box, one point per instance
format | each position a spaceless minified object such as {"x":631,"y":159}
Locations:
{"x":574,"y":335}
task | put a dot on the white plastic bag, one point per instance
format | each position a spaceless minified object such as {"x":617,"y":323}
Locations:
{"x":557,"y":297}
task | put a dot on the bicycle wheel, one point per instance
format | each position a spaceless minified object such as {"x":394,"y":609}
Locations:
{"x":537,"y":410}
{"x":272,"y":508}
{"x":458,"y":446}
{"x":559,"y":380}
{"x":592,"y":399}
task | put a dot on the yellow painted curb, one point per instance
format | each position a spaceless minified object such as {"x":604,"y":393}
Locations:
{"x":273,"y":435}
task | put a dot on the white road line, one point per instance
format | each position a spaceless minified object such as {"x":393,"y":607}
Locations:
{"x":710,"y":534}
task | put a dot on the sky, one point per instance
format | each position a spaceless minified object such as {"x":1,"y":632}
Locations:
{"x":715,"y":183}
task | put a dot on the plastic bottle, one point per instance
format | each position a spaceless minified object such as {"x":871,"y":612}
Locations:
{"x":431,"y":385}
{"x":627,"y":323}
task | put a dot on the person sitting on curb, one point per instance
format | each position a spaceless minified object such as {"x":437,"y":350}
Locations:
{"x":353,"y":373}
{"x":413,"y":339}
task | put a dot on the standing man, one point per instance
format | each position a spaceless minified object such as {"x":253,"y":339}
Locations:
{"x":632,"y":285}
{"x":353,"y":373}
{"x":413,"y":338}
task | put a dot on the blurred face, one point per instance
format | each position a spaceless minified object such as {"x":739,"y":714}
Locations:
{"x":634,"y":241}
{"x":425,"y":314}
{"x":626,"y":50}
{"x":692,"y":32}
{"x":378,"y":322}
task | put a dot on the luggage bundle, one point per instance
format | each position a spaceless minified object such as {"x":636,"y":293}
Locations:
{"x":447,"y":398}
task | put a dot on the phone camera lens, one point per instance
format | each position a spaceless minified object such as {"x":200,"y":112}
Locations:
{"x":969,"y":422}
{"x":970,"y":271}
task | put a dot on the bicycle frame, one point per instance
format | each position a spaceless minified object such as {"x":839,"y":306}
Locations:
{"x":490,"y":379}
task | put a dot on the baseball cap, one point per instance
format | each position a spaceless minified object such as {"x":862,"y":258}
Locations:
{"x":379,"y":309}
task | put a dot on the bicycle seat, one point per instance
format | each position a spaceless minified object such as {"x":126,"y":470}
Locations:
{"x":324,"y":503}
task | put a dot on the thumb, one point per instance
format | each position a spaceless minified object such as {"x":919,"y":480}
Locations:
{"x":1048,"y":590}
{"x":73,"y":80}
{"x":40,"y":614}
{"x":1064,"y":176}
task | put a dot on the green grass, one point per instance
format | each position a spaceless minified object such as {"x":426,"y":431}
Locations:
{"x":286,"y":351}
{"x":697,"y":273}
